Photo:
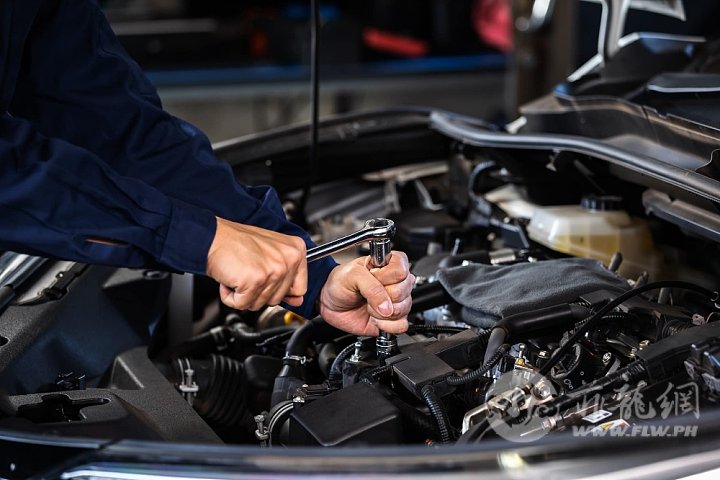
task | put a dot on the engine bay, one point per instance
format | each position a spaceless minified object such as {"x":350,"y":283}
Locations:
{"x":566,"y":271}
{"x":547,"y":300}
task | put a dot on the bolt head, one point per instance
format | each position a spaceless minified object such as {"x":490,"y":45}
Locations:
{"x":542,"y":391}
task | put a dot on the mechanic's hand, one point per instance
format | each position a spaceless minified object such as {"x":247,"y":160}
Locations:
{"x":257,"y":267}
{"x":363,"y":301}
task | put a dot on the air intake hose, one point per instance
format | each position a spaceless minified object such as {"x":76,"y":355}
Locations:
{"x":220,"y":397}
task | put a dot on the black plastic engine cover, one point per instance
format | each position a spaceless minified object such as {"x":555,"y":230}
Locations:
{"x":138,"y":403}
{"x":356,"y":415}
{"x":104,"y":312}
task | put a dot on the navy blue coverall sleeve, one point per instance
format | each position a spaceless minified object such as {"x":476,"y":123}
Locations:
{"x":87,"y":151}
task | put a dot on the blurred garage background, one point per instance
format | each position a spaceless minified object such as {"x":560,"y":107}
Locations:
{"x":236,"y":67}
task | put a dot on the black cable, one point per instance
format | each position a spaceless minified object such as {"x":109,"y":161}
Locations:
{"x":610,"y":317}
{"x":436,"y":329}
{"x":479,"y":372}
{"x":335,"y":375}
{"x":620,"y":316}
{"x":241,"y":333}
{"x":438,"y":412}
{"x":478,"y":169}
{"x":630,"y":374}
{"x":275,"y":339}
{"x":314,"y":103}
{"x":564,"y":349}
{"x":496,"y":339}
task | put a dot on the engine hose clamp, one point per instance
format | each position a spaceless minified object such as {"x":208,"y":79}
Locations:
{"x":261,"y":432}
{"x":187,"y":387}
{"x":296,"y":358}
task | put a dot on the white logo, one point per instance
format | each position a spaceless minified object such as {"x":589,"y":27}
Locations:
{"x":516,"y":399}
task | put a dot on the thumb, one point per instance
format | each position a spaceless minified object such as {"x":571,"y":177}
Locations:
{"x":374,"y":292}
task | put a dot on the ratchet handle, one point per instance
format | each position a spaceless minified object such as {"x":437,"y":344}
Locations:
{"x":378,"y":231}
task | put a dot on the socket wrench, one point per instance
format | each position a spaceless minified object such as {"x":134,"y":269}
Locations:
{"x":377,"y":231}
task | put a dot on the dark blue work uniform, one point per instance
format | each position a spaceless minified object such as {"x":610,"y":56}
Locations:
{"x":86,"y":151}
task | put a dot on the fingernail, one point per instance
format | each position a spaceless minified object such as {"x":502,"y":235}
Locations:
{"x":386,"y":308}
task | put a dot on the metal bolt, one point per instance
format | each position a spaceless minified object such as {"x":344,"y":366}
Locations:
{"x":355,"y":357}
{"x":261,"y":433}
{"x":542,"y":391}
{"x":386,"y":346}
{"x":643,"y":344}
{"x":606,"y":358}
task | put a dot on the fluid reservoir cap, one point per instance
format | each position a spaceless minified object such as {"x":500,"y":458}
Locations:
{"x":601,"y":203}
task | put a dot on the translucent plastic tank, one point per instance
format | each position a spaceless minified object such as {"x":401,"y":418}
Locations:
{"x":597,"y":229}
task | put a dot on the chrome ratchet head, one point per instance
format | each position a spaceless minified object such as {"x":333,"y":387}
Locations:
{"x":378,"y":231}
{"x":381,"y":228}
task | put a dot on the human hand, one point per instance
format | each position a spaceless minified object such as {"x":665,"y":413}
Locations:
{"x":363,"y":301}
{"x":257,"y":267}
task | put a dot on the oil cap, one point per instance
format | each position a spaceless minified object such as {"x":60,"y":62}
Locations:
{"x":601,"y":203}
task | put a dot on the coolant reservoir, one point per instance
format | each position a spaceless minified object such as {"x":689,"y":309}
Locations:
{"x":597,"y":229}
